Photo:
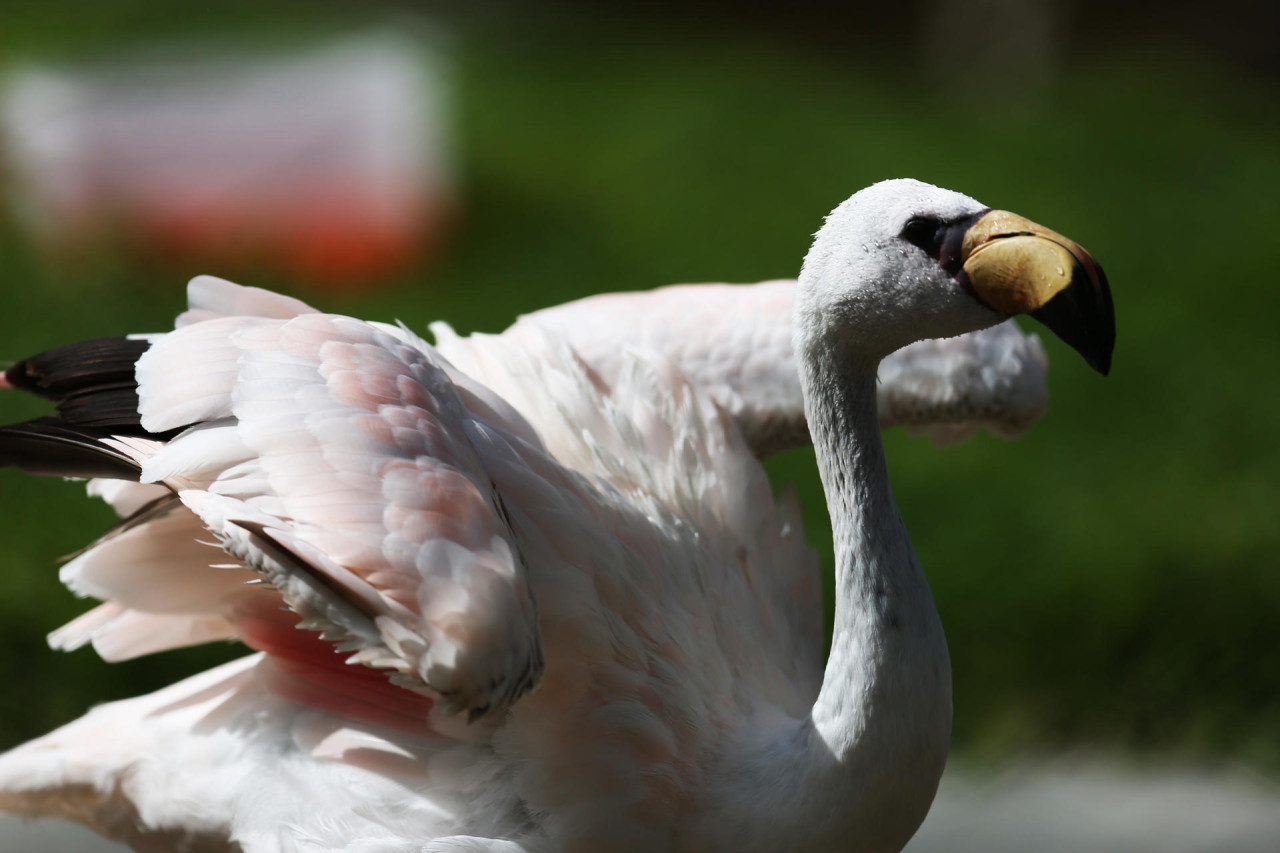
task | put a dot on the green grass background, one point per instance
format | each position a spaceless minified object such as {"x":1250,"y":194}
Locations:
{"x":1110,"y":580}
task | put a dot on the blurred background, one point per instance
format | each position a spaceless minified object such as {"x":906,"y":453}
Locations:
{"x":1110,"y":583}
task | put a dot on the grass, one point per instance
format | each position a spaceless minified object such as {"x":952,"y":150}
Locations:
{"x":1109,"y":579}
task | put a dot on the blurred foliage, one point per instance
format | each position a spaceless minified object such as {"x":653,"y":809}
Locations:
{"x":1110,"y":578}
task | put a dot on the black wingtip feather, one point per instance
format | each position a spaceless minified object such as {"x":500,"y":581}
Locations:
{"x":63,"y":370}
{"x":52,"y":448}
{"x":92,"y":382}
{"x":96,"y":393}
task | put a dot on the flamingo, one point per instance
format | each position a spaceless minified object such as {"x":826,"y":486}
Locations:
{"x":527,"y":605}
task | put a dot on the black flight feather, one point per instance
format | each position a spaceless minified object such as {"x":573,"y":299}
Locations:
{"x":53,"y":448}
{"x":92,"y":382}
{"x":93,"y":385}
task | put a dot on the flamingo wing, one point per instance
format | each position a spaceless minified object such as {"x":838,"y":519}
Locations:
{"x":734,"y":341}
{"x":384,"y":493}
{"x":335,"y":457}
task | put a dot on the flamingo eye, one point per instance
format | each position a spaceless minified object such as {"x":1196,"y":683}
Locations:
{"x":926,"y":233}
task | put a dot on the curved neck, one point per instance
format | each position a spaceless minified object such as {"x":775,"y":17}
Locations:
{"x":884,"y":711}
{"x":865,"y":764}
{"x":888,"y":665}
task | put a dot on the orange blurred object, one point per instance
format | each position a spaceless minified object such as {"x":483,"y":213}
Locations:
{"x":331,"y":165}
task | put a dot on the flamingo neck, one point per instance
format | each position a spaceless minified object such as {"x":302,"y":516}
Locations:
{"x":883,"y":715}
{"x":888,"y":668}
{"x":861,"y":771}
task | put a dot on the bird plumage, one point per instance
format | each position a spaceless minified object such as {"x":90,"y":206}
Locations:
{"x":546,"y":603}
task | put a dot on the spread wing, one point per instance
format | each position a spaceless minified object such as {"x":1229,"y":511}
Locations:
{"x":335,"y":457}
{"x":734,"y":341}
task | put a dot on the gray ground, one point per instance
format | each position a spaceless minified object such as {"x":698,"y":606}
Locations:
{"x":1057,"y":807}
{"x":1096,"y":807}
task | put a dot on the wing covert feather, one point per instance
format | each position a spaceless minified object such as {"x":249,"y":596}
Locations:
{"x":346,"y":446}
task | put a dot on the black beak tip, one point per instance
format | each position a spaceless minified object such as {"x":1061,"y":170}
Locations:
{"x":1101,"y":362}
{"x":1083,"y":316}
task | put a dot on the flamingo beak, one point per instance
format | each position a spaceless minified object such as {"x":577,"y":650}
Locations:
{"x":1018,"y":267}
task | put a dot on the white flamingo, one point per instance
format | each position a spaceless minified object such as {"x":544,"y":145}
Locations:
{"x":577,"y":618}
